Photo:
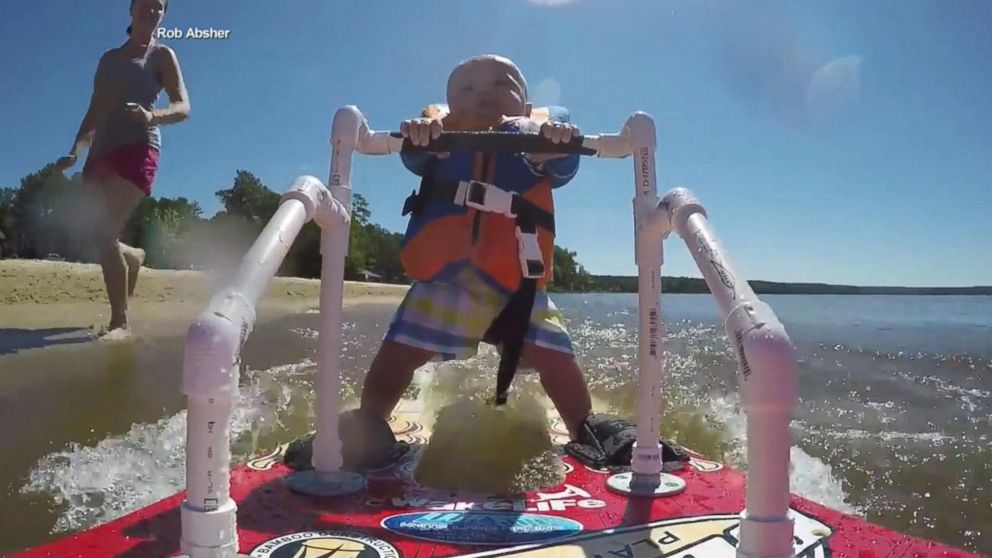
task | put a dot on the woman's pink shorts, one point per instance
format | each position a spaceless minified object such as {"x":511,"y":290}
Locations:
{"x":135,"y":163}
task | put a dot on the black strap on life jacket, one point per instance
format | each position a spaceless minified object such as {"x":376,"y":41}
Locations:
{"x":509,"y":329}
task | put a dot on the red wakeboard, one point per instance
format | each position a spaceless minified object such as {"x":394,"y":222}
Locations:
{"x":396,"y":518}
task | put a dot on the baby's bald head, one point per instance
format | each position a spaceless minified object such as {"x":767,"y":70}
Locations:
{"x":484,"y":89}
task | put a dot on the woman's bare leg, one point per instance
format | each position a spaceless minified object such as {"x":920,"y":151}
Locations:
{"x":135,"y":258}
{"x":119,"y":198}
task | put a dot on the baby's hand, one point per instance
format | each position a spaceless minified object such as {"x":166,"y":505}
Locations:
{"x":421,"y":130}
{"x":557,"y":132}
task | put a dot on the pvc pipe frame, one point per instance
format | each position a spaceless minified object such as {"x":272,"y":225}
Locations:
{"x":766,"y":358}
{"x":214,"y":341}
{"x":769,"y":382}
{"x":212,"y":363}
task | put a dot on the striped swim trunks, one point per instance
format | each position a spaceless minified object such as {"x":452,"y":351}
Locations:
{"x":450,"y":319}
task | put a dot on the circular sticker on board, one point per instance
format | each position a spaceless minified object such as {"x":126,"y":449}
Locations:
{"x":325,"y":544}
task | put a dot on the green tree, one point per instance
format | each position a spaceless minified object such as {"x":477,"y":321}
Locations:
{"x":158,"y":226}
{"x":7,"y":240}
{"x":384,"y":253}
{"x":304,"y":257}
{"x":568,"y":274}
{"x":43,"y":213}
{"x":249,"y":198}
{"x":358,"y":242}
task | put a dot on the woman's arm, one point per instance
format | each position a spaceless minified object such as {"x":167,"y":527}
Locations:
{"x":84,"y":136}
{"x":172,"y":81}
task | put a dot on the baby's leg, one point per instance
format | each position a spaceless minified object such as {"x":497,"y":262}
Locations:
{"x":389,"y":376}
{"x":433,"y":319}
{"x":562,"y":380}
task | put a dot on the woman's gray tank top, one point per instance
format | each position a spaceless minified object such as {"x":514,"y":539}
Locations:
{"x":126,"y":80}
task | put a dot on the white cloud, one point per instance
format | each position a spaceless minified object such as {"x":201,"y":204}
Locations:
{"x":834,"y":90}
{"x":547,"y":92}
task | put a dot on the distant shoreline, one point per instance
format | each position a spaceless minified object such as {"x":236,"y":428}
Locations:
{"x":692,"y":285}
{"x":670,"y":285}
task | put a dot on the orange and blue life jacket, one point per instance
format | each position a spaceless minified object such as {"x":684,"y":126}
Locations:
{"x":444,"y":237}
{"x":491,"y":212}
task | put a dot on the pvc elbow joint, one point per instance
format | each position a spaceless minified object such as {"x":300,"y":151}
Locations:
{"x":348,"y":127}
{"x":640,"y":128}
{"x":210,"y":367}
{"x":320,"y":205}
{"x":307,"y":190}
{"x":653,"y":226}
{"x":681,"y":204}
{"x":766,"y":357}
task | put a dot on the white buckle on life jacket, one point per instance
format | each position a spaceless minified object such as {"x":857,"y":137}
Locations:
{"x":486,"y":197}
{"x":531,"y":262}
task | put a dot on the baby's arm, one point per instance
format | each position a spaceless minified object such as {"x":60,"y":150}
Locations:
{"x":562,"y":170}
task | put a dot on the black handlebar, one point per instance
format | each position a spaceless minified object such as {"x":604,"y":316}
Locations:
{"x":517,"y":142}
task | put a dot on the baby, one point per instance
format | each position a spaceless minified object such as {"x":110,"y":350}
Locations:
{"x":465,"y":262}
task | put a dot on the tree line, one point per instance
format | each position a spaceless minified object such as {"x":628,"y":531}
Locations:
{"x":41,"y":218}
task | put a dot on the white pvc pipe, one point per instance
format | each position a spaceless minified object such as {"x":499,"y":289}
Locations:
{"x":769,"y":384}
{"x":262,"y":261}
{"x":348,"y":125}
{"x":646,"y":457}
{"x":327,"y":444}
{"x":208,"y":452}
{"x":714,"y":264}
{"x":210,"y":378}
{"x":230,"y":318}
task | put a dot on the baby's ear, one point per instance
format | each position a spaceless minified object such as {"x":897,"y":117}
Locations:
{"x":527,"y":108}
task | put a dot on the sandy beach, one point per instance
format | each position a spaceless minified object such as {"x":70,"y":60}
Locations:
{"x":39,"y":295}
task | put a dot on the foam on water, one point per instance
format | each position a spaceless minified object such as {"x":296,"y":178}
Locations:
{"x":118,"y":475}
{"x":122,"y":473}
{"x":809,"y":476}
{"x":931,"y":438}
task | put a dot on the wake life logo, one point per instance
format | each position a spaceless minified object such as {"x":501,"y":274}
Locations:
{"x":571,"y":497}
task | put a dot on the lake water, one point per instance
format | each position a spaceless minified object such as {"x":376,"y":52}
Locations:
{"x":893,"y":420}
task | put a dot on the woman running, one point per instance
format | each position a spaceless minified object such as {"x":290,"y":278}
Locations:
{"x":121,"y":128}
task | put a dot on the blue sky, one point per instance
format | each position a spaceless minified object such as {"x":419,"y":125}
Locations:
{"x":843,"y":142}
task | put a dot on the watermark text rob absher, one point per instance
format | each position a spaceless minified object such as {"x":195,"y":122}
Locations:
{"x":192,"y":33}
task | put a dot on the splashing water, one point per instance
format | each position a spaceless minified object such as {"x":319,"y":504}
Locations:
{"x":125,"y":472}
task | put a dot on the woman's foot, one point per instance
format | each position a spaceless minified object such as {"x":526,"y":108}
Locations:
{"x":134,"y":257}
{"x":116,"y":328}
